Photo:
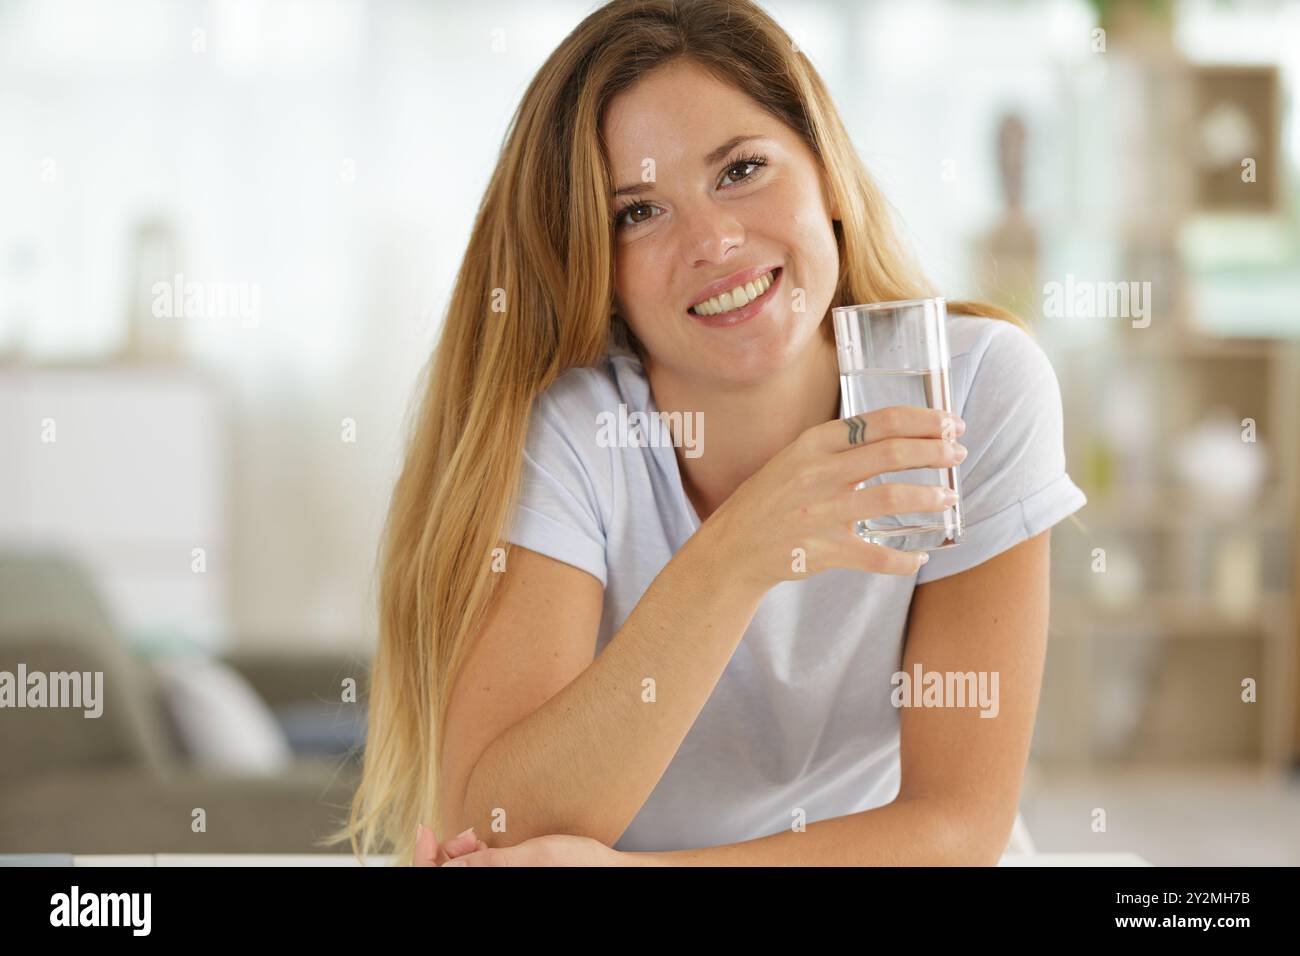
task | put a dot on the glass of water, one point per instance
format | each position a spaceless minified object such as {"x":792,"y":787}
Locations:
{"x":896,"y":353}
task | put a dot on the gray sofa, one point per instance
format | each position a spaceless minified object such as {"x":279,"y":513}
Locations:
{"x":124,"y":782}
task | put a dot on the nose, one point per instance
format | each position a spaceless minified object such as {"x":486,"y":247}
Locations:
{"x":709,"y":233}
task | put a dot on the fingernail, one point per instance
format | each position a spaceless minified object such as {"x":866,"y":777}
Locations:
{"x":455,"y":863}
{"x":924,"y":558}
{"x":464,"y":833}
{"x":960,"y":453}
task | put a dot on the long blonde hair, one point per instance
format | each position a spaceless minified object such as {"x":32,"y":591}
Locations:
{"x":534,"y":297}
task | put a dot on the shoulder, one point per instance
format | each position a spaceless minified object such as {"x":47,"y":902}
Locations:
{"x":1013,"y":483}
{"x":582,"y":393}
{"x":579,"y":393}
{"x":998,"y":362}
{"x":980,"y":338}
{"x":565,"y":427}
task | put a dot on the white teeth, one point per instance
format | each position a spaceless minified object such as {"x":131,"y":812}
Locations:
{"x":741,"y":295}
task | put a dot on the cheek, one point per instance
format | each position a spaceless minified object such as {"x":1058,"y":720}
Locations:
{"x":631,"y":275}
{"x":814,"y":240}
{"x":639,"y":283}
{"x":634,"y":295}
{"x":812,"y":222}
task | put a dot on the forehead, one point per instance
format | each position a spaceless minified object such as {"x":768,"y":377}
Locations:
{"x":676,"y":114}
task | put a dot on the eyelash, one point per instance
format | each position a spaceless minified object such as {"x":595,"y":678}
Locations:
{"x":752,"y":159}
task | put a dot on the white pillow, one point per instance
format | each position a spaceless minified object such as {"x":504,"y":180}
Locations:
{"x":222,"y":721}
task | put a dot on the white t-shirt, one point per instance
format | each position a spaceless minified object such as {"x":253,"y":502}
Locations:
{"x":801,"y":718}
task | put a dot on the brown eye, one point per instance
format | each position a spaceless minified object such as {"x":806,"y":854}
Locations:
{"x":738,"y":166}
{"x":622,"y":218}
{"x":742,"y":164}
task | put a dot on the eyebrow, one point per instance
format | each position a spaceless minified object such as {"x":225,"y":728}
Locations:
{"x":709,"y":160}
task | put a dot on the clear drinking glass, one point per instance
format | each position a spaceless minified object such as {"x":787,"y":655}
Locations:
{"x":896,"y":353}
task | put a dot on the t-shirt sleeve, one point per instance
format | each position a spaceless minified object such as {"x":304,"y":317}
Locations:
{"x":1013,"y":483}
{"x":564,"y":479}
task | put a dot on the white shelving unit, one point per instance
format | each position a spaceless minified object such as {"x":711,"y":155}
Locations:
{"x":1152,"y":671}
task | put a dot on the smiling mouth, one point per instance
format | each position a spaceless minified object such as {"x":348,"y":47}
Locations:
{"x":737,"y":298}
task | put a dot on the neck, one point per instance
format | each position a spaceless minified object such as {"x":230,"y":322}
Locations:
{"x":746,"y":425}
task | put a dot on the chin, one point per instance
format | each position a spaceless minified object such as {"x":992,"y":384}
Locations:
{"x":757,"y":357}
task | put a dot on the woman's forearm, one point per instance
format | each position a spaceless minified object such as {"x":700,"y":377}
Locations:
{"x":586,"y":761}
{"x":902,"y":833}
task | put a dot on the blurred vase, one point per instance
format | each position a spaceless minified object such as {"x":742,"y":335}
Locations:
{"x":1237,"y":578}
{"x":1120,"y":585}
{"x":152,"y":338}
{"x":1223,"y":471}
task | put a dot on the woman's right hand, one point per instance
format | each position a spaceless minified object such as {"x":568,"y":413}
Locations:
{"x":806,"y":496}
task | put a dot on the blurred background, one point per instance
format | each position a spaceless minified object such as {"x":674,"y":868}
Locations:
{"x":227,"y":234}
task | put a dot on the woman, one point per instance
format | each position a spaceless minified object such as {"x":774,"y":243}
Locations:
{"x":585,"y":697}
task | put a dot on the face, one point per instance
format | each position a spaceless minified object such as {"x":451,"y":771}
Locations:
{"x":710,"y":212}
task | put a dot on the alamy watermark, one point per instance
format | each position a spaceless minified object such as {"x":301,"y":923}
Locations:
{"x":946,"y":689}
{"x":84,"y":689}
{"x":633,"y":430}
{"x":76,"y":908}
{"x":176,"y":298}
{"x":1082,"y":299}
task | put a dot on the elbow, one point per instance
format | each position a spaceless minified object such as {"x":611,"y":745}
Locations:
{"x":505,"y":823}
{"x":567,"y":823}
{"x":964,"y":835}
{"x":514,"y":836}
{"x":978,"y":839}
{"x":980,"y":852}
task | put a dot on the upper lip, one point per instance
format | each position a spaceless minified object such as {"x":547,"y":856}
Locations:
{"x":729,"y":283}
